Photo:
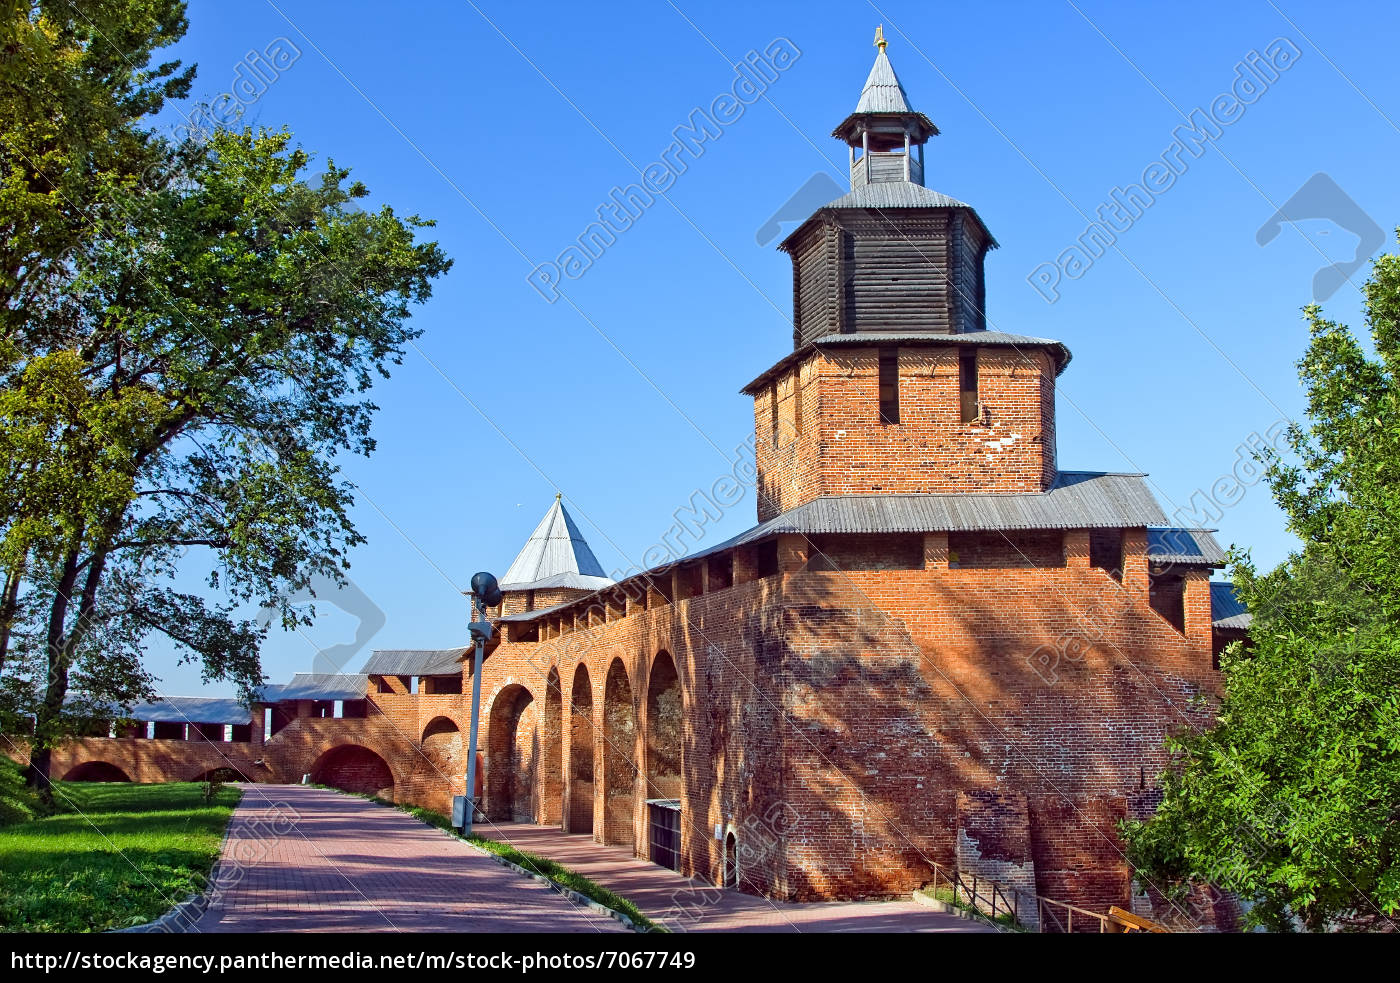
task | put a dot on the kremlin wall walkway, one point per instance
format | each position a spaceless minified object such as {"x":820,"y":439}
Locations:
{"x":683,"y":904}
{"x":303,"y":859}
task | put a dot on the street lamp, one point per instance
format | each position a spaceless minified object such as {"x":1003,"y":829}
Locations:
{"x":485,"y":593}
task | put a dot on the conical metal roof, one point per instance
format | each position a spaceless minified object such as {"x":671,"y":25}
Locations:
{"x":883,"y":92}
{"x":556,"y":552}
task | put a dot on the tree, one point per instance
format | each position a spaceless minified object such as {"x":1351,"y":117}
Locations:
{"x":1293,"y":799}
{"x":75,"y":84}
{"x":183,"y":397}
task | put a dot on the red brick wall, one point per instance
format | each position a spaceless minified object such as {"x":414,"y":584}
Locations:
{"x":829,"y":720}
{"x":843,"y":448}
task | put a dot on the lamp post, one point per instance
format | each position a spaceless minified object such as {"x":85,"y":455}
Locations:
{"x":485,"y":593}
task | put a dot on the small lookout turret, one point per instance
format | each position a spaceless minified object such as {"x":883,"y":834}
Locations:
{"x":885,"y":128}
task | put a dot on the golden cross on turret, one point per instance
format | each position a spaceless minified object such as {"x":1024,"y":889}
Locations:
{"x":880,"y":41}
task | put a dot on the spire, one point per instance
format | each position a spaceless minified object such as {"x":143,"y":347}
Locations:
{"x":555,"y":555}
{"x":882,"y":92}
{"x":885,"y":132}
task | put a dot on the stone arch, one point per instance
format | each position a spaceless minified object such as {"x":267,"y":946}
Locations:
{"x":96,"y":771}
{"x":581,"y":733}
{"x":354,"y":768}
{"x":665,"y":721}
{"x":551,"y":765}
{"x":619,"y":757}
{"x":512,"y":756}
{"x":442,"y":743}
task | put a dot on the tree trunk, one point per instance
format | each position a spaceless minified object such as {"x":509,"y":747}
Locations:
{"x":9,"y":605}
{"x":55,"y":686}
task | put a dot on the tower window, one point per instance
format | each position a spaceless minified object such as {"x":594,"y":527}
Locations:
{"x":773,"y":414}
{"x":889,"y":385}
{"x":1106,"y":551}
{"x":967,"y":386}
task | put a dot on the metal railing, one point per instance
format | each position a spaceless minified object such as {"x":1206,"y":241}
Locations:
{"x":995,"y":900}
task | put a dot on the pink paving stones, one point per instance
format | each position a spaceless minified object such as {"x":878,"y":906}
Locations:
{"x":301,"y":859}
{"x":684,"y":904}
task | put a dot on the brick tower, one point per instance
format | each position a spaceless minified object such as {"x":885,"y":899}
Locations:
{"x":895,"y":384}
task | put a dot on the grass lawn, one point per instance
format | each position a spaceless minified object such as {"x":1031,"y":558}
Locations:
{"x":110,"y":856}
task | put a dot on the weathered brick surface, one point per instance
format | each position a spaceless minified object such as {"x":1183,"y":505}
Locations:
{"x":820,"y":433}
{"x":846,"y":726}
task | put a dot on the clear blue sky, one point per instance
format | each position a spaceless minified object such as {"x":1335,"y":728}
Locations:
{"x":510,"y":123}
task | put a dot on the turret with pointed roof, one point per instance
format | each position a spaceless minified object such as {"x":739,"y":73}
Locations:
{"x":555,"y":556}
{"x":895,"y":384}
{"x":892,"y":256}
{"x":884,"y":127}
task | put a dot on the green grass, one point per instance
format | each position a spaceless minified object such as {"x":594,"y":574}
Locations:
{"x":944,"y":893}
{"x":111,"y":855}
{"x":556,"y":872}
{"x":18,"y":803}
{"x":569,"y":878}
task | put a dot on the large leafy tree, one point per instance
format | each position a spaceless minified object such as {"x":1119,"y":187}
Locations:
{"x":176,"y":393}
{"x":1293,"y":799}
{"x":76,"y":81}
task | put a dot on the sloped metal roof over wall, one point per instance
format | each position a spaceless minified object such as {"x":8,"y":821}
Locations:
{"x":1185,"y":546}
{"x":318,"y":686}
{"x":1077,"y":500}
{"x":1226,"y":609}
{"x":415,"y":662}
{"x":192,"y":710}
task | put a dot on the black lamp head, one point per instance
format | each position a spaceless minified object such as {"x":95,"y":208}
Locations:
{"x":485,"y":589}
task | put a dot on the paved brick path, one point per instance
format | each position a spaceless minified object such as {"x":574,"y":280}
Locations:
{"x":299,"y":859}
{"x":687,"y":905}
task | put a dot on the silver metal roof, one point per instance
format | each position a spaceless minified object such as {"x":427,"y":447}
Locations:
{"x":192,"y":710}
{"x":318,"y":686}
{"x":1188,"y":546}
{"x":883,"y":92}
{"x":577,"y":581}
{"x":556,"y":547}
{"x":1226,"y":609}
{"x":1077,"y":500}
{"x":415,"y":662}
{"x":997,"y":338}
{"x":895,"y":194}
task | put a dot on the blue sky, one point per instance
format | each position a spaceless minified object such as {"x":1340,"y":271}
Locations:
{"x":511,"y":123}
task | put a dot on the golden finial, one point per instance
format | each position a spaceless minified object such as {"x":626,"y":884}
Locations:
{"x":880,"y":41}
{"x":558,"y":496}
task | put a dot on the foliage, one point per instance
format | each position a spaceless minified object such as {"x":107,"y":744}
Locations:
{"x":18,"y":802}
{"x":112,"y":856}
{"x":76,"y":80}
{"x":1293,"y":799}
{"x":189,"y":344}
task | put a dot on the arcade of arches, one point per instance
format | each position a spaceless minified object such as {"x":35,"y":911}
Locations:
{"x":551,"y":752}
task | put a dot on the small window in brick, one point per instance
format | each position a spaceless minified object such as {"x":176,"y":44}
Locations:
{"x":1106,"y":551}
{"x":967,"y":386}
{"x":721,"y":571}
{"x":797,"y":403}
{"x":889,"y":385}
{"x":773,"y":414}
{"x":767,"y":558}
{"x":1167,"y":595}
